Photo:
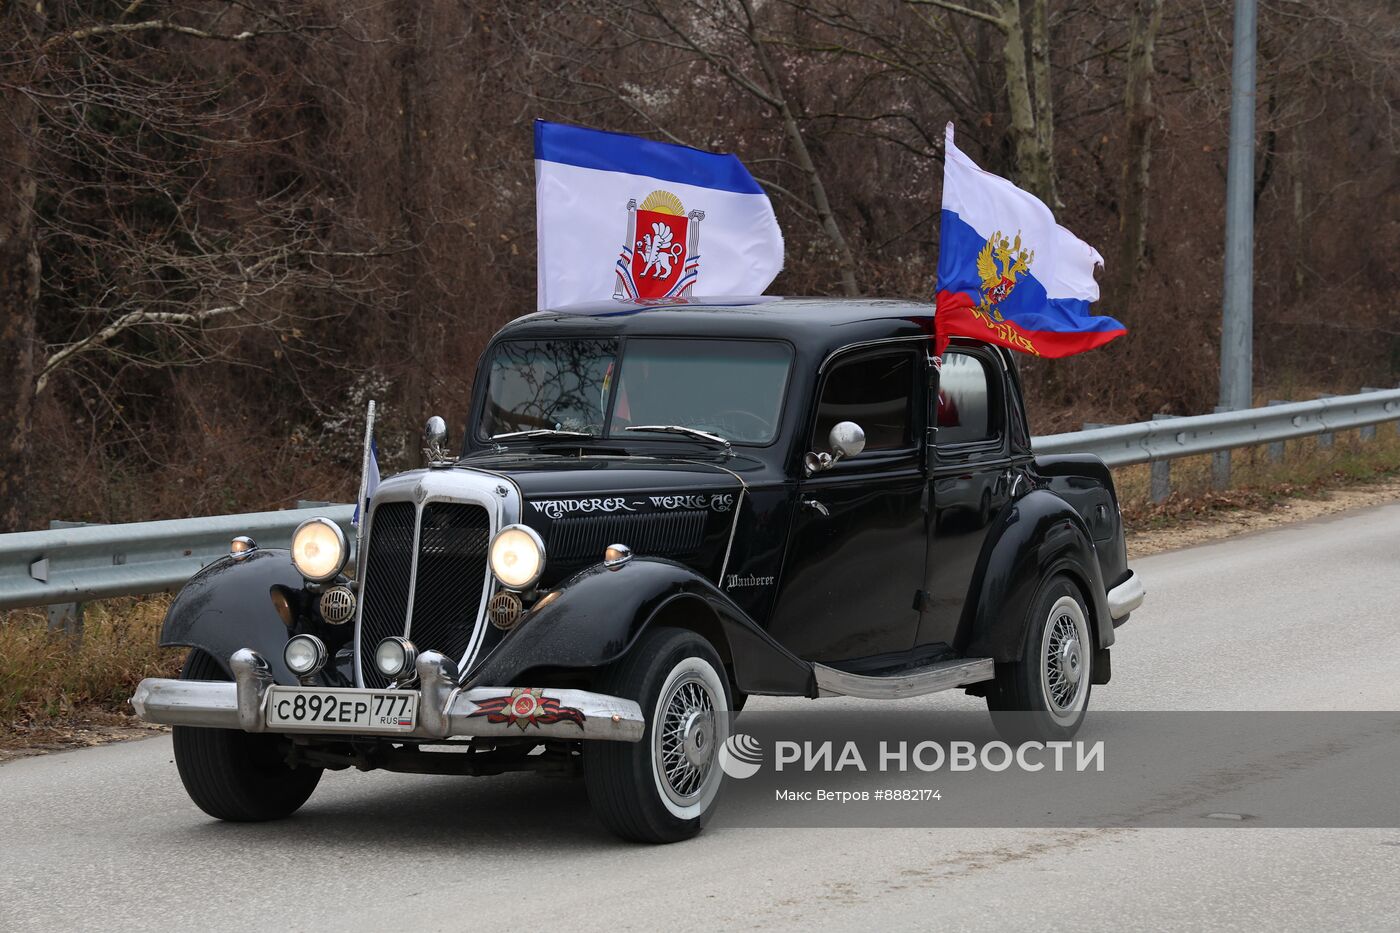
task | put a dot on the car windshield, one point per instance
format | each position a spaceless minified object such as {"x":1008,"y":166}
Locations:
{"x":730,"y":388}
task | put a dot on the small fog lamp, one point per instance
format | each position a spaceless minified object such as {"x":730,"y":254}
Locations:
{"x":395,"y":656}
{"x":517,"y":556}
{"x":318,"y":549}
{"x":305,"y":655}
{"x":241,"y":546}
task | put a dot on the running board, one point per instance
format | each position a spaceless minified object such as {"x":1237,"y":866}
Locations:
{"x":941,"y":676}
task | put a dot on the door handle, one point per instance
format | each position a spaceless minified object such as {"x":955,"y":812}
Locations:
{"x":1012,"y":480}
{"x":817,"y":507}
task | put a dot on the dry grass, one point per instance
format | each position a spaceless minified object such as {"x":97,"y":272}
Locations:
{"x":47,"y":688}
{"x":1256,"y":481}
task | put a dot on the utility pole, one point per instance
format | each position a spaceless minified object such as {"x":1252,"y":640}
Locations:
{"x":1237,"y":326}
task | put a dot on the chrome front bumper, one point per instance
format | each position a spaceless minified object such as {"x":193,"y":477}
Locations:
{"x":445,"y":710}
{"x":1125,"y":597}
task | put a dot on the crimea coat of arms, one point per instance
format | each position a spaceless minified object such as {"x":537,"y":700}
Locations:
{"x":660,"y":257}
{"x":999,"y":264}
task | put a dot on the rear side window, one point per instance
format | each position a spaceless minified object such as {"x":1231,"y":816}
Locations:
{"x":966,"y":412}
{"x":875,"y":392}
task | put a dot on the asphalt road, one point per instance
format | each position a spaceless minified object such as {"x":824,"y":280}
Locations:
{"x":1299,"y":618}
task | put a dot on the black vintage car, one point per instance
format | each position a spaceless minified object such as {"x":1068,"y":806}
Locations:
{"x":657,"y":512}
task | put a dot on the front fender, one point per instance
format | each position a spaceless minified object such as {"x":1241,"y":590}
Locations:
{"x":1040,"y":535}
{"x":600,"y":612}
{"x":228,"y":605}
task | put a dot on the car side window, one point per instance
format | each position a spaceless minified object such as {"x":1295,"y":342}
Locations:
{"x":966,"y":410}
{"x":877,"y":393}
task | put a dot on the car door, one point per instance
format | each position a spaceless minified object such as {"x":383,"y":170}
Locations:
{"x":969,"y":482}
{"x":855,"y":554}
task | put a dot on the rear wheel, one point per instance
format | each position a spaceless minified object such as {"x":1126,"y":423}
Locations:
{"x":663,"y":788}
{"x":237,"y":776}
{"x":1045,"y":694}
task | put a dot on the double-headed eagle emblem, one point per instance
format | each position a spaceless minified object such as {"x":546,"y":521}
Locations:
{"x":999,"y":264}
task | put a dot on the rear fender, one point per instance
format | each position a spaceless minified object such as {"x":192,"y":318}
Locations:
{"x":601,"y":611}
{"x":1039,"y":535}
{"x":228,"y":605}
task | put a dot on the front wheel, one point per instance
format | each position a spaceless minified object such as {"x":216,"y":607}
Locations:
{"x":663,"y":788}
{"x":1044,"y":695}
{"x":233,"y":775}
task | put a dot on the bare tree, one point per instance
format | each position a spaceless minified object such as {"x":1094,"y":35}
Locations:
{"x":727,"y":36}
{"x":20,"y":25}
{"x":1137,"y":158}
{"x":114,"y":133}
{"x":1033,"y":142}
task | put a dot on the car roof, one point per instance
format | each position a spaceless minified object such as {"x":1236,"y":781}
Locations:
{"x":818,"y":324}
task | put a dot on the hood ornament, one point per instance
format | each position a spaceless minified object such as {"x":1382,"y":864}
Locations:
{"x":435,"y":443}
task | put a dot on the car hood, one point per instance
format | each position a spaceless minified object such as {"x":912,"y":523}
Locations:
{"x":675,"y":508}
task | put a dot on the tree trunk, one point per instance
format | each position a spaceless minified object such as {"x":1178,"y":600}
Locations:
{"x":413,"y":311}
{"x":1044,"y":99}
{"x":1137,"y":158}
{"x":1032,"y":168}
{"x":1300,"y":239}
{"x":19,"y":272}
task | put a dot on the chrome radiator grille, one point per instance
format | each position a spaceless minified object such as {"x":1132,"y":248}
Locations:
{"x":450,"y":564}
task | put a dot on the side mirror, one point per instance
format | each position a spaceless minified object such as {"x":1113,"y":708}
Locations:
{"x":435,"y":440}
{"x":846,"y":440}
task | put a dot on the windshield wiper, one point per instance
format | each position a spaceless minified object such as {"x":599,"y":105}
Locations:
{"x":540,"y":432}
{"x":682,"y":429}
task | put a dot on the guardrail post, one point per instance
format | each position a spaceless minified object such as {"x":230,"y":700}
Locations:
{"x":1368,"y":432}
{"x":1220,"y":462}
{"x":1161,"y":473}
{"x":1276,"y":448}
{"x":1326,"y":438}
{"x":67,"y":616}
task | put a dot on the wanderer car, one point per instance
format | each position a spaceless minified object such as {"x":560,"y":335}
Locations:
{"x":657,"y":511}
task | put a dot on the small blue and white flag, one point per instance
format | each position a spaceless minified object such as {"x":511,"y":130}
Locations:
{"x":370,"y":483}
{"x":369,"y":469}
{"x":622,"y":217}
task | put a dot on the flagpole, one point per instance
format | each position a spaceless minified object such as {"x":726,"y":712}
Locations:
{"x":1237,"y":324}
{"x":361,"y":507}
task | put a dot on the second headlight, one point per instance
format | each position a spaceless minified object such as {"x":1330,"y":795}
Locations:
{"x":517,"y":556}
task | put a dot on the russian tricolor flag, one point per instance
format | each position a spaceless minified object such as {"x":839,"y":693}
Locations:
{"x":630,"y":218}
{"x":1008,"y":273}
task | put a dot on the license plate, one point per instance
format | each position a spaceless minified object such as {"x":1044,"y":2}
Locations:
{"x":315,"y":710}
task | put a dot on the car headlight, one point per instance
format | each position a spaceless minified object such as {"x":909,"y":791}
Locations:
{"x":517,"y":556}
{"x":318,"y":549}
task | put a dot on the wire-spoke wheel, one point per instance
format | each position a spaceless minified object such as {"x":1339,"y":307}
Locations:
{"x":663,"y":788}
{"x":1062,"y":658}
{"x":684,"y":738}
{"x":1045,"y":694}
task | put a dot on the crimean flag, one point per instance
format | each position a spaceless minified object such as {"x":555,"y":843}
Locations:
{"x":1008,"y":273}
{"x":624,"y":217}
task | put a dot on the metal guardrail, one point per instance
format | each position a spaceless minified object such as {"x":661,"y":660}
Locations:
{"x":85,"y":562}
{"x":69,"y":565}
{"x":1166,"y":439}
